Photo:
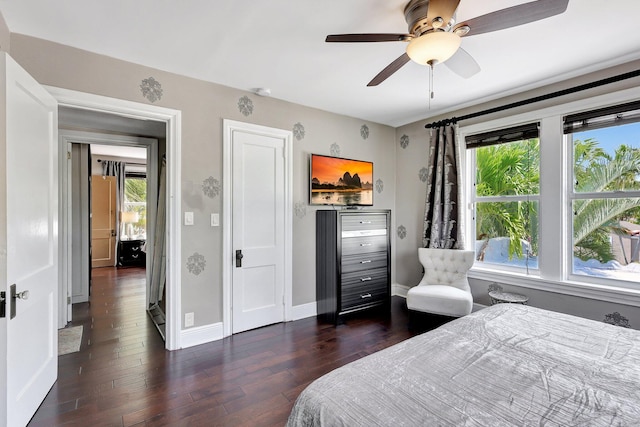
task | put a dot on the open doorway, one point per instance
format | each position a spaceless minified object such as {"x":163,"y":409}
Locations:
{"x":114,"y":199}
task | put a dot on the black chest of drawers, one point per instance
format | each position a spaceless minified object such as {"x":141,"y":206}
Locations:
{"x":130,"y":253}
{"x":353,"y":261}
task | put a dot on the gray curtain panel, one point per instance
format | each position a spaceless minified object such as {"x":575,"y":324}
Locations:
{"x":442,"y":209}
{"x":114,"y":168}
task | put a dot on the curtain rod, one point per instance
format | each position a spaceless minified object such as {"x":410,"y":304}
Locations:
{"x":551,"y":95}
{"x":129,"y":163}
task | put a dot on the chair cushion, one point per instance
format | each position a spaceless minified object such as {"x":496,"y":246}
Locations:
{"x":440,"y":299}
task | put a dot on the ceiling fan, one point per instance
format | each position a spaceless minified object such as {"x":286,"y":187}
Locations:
{"x":435,"y":37}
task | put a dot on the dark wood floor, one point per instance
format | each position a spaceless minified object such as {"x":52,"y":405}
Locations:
{"x":122,"y":376}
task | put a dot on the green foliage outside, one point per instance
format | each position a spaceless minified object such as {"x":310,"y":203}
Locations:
{"x":511,"y":169}
{"x":135,"y":191}
{"x":514,"y":169}
{"x":595,"y":219}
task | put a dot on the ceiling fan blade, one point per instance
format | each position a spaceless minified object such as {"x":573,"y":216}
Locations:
{"x":463,"y":64}
{"x":359,"y":38}
{"x":389,"y":70}
{"x":514,"y":16}
{"x":443,"y":9}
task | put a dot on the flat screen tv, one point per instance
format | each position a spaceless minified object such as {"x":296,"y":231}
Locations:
{"x":341,"y":182}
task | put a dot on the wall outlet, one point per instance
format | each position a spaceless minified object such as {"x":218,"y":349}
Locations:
{"x":189,"y":319}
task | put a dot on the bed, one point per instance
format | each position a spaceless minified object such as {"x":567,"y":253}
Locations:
{"x":504,"y":365}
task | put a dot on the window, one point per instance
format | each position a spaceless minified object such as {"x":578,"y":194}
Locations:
{"x":505,"y":196}
{"x":134,"y":214}
{"x":605,"y":195}
{"x":555,"y":204}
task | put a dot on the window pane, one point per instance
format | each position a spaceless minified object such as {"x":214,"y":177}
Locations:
{"x":607,"y":159}
{"x":507,"y":233}
{"x":135,"y":200}
{"x":508,"y":169}
{"x":606,"y":238}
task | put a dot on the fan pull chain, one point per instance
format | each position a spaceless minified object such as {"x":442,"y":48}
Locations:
{"x":430,"y":83}
{"x":431,"y":80}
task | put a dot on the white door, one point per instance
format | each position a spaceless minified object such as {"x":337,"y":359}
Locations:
{"x":258,"y":231}
{"x":28,"y":244}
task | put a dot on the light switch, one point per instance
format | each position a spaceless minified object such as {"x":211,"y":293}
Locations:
{"x":215,"y":220}
{"x":188,"y":218}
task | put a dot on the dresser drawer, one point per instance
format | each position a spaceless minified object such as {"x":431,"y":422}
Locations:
{"x":364,"y":222}
{"x":363,"y":294}
{"x":131,"y":253}
{"x":370,"y":277}
{"x":369,"y":261}
{"x":364,"y":245}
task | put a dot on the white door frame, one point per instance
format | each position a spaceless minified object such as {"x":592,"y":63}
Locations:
{"x":173,"y":119}
{"x":228,"y":261}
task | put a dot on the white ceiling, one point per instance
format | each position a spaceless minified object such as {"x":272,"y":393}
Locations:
{"x":279,"y":44}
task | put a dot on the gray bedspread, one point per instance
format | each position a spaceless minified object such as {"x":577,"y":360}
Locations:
{"x":504,"y":365}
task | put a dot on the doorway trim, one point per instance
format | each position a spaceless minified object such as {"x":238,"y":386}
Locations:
{"x":229,"y":127}
{"x":173,"y":120}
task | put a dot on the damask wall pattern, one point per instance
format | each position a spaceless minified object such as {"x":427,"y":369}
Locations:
{"x":364,"y":131}
{"x":211,"y":187}
{"x":402,"y":231}
{"x":379,"y":186}
{"x":298,"y":131}
{"x":335,"y":149}
{"x":151,"y":89}
{"x":300,"y":209}
{"x":423,"y":174}
{"x":245,"y":106}
{"x":617,"y":319}
{"x":404,"y":141}
{"x":196,"y":263}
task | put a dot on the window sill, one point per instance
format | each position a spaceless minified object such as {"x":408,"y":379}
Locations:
{"x":607,"y":293}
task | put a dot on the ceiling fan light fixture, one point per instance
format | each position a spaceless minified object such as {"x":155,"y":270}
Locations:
{"x":431,"y":47}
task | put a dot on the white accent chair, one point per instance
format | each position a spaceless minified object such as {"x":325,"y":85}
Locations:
{"x":444,"y":288}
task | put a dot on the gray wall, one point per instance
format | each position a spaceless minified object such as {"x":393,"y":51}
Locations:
{"x":204,"y":106}
{"x":411,"y":145}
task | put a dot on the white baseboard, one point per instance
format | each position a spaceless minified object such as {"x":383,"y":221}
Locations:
{"x":200,"y":335}
{"x":399,"y":290}
{"x":303,"y":311}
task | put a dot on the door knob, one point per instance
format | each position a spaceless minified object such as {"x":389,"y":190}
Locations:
{"x":22,"y":295}
{"x":15,"y":295}
{"x":239,"y":257}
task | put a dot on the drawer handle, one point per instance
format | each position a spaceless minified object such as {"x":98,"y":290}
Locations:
{"x":365,"y":296}
{"x":365,"y":222}
{"x":365,"y":261}
{"x":366,"y":244}
{"x":365,"y":279}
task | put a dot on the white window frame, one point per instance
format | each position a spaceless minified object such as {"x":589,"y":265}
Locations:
{"x":554,"y":205}
{"x":474,"y":199}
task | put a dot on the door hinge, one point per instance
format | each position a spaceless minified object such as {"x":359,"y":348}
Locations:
{"x":68,"y":155}
{"x":68,"y":300}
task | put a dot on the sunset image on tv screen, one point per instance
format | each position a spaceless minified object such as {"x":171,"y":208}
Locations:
{"x":336,"y":181}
